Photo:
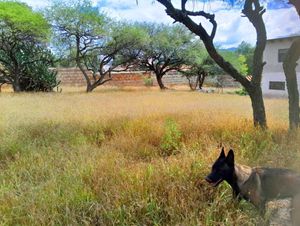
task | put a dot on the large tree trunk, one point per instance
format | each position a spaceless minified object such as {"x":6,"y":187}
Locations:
{"x":17,"y":86}
{"x":91,"y":87}
{"x":289,"y":67}
{"x":159,"y":81}
{"x":254,"y":12}
{"x":82,"y":69}
{"x":258,"y":107}
{"x":201,"y":79}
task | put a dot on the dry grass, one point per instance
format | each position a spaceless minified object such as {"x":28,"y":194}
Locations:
{"x":130,"y":157}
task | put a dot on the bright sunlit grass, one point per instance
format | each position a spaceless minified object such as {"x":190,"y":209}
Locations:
{"x":131,"y":157}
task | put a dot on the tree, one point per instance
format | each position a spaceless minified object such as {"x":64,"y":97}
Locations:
{"x":289,"y":67}
{"x":196,"y":75}
{"x":24,"y":59}
{"x":208,"y":67}
{"x":197,"y":65}
{"x":117,"y":52}
{"x":166,"y":49}
{"x":254,"y":12}
{"x":98,"y":45}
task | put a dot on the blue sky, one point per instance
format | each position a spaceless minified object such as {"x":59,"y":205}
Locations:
{"x":280,"y":19}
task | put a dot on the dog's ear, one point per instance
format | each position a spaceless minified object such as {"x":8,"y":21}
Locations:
{"x":222,"y":154}
{"x":230,"y":158}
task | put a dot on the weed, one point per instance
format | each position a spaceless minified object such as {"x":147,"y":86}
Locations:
{"x":171,"y":139}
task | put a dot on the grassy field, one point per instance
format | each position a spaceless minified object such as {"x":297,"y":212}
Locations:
{"x":128,"y":157}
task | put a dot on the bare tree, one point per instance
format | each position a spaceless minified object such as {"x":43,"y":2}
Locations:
{"x":254,"y":12}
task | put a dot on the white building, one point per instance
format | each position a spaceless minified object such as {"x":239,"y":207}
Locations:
{"x":273,"y":81}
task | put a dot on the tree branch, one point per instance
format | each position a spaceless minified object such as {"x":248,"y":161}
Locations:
{"x":198,"y":29}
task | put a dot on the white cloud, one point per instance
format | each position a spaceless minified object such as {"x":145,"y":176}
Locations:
{"x":36,"y":3}
{"x":144,"y":11}
{"x":232,"y":28}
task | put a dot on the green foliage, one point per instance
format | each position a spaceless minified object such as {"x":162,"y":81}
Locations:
{"x":24,"y":58}
{"x":196,"y":53}
{"x":198,"y":58}
{"x":241,"y":92}
{"x":171,"y":139}
{"x":76,"y":16}
{"x":93,"y":41}
{"x":148,"y":81}
{"x":38,"y":76}
{"x":165,"y":48}
{"x":71,"y":20}
{"x":238,"y":61}
{"x":21,"y":18}
{"x":170,"y":40}
{"x":247,"y":50}
{"x":243,"y":66}
{"x":123,"y":41}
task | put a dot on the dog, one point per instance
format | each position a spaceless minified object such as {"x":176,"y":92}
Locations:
{"x":257,"y":185}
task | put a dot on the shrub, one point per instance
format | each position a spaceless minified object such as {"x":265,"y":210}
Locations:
{"x":148,"y":81}
{"x":38,"y":76}
{"x":241,"y":92}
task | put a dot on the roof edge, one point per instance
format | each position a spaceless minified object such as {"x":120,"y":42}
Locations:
{"x":283,"y":38}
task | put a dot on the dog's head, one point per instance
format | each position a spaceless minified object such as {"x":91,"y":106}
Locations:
{"x":222,"y":169}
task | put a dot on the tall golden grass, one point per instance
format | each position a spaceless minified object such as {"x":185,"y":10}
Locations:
{"x":131,"y":157}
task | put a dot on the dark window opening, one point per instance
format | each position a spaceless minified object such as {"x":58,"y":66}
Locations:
{"x":282,"y":54}
{"x":277,"y":85}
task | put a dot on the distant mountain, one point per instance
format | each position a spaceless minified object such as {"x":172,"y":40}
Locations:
{"x":232,"y":49}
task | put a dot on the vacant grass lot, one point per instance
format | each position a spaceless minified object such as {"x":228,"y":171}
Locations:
{"x":117,"y":157}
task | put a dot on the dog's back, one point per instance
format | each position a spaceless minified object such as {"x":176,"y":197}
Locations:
{"x":279,"y":183}
{"x":270,"y":183}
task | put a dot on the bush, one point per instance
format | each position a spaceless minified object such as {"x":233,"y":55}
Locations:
{"x":37,"y":75}
{"x":148,"y":81}
{"x":241,"y":92}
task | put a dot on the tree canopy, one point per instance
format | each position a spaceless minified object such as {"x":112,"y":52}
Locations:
{"x":167,"y":48}
{"x":24,"y":57}
{"x":21,"y":17}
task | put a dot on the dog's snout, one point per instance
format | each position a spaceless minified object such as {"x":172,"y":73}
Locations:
{"x":208,"y":179}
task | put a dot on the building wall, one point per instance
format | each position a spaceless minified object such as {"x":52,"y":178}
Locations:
{"x":273,"y":70}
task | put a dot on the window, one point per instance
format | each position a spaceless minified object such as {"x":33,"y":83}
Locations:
{"x":277,"y":85}
{"x":281,"y":54}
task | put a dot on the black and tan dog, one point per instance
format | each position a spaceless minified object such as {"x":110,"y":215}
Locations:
{"x":257,"y":185}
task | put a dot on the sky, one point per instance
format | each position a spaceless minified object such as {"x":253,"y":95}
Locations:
{"x":280,"y":18}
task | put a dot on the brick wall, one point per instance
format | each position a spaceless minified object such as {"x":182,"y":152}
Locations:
{"x":74,"y":77}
